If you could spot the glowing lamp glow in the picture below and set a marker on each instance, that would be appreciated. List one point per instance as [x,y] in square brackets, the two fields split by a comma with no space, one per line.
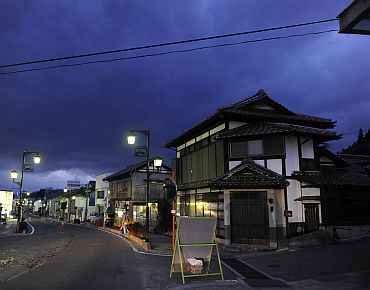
[120,213]
[73,197]
[65,189]
[131,139]
[13,174]
[158,161]
[37,159]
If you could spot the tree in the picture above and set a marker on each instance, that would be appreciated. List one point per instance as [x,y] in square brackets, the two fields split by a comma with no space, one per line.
[361,146]
[360,137]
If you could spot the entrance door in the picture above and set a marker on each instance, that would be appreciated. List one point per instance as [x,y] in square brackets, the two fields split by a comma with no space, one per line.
[311,212]
[249,217]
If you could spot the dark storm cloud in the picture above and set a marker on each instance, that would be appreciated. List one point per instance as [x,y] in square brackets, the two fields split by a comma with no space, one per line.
[78,117]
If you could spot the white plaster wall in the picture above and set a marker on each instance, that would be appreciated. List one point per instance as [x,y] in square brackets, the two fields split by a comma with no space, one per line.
[227,207]
[260,162]
[310,191]
[233,164]
[234,124]
[293,192]
[80,201]
[275,165]
[100,184]
[6,199]
[203,190]
[36,205]
[272,215]
[292,156]
[307,149]
[279,207]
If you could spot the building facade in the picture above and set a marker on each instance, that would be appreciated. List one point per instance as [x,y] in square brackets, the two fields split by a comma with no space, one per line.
[127,192]
[245,165]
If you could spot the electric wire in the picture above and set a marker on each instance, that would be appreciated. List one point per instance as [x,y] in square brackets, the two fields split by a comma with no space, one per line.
[168,43]
[168,52]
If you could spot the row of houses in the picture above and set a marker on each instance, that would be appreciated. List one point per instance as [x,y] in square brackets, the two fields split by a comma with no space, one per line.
[119,195]
[263,171]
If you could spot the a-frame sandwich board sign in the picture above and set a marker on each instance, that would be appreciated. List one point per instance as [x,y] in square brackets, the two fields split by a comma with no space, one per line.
[195,238]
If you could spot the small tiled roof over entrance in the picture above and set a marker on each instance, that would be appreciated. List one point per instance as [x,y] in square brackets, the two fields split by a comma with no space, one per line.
[335,177]
[267,128]
[248,175]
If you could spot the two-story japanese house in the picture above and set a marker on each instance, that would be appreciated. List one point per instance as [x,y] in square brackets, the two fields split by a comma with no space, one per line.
[242,166]
[127,191]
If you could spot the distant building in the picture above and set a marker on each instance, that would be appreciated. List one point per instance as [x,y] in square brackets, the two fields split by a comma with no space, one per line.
[6,201]
[102,188]
[127,191]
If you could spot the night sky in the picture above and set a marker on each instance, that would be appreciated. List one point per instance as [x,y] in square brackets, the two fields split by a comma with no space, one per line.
[78,117]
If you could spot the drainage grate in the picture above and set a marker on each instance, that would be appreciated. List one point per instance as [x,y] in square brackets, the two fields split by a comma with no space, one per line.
[253,277]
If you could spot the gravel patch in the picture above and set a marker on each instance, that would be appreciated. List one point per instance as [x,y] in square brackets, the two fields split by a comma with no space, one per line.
[15,262]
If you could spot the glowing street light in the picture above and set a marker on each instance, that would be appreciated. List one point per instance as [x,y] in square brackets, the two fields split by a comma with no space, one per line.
[37,158]
[158,162]
[14,175]
[131,139]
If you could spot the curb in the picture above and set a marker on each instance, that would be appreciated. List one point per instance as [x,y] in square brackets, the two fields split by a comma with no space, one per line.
[131,240]
[126,238]
[217,284]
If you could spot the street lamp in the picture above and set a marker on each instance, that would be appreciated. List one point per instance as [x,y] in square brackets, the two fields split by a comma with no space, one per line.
[13,175]
[25,168]
[158,162]
[131,141]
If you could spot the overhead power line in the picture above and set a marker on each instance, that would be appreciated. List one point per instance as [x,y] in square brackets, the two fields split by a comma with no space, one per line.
[166,43]
[167,52]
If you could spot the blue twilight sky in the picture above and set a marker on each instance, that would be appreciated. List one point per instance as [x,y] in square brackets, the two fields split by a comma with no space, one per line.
[77,117]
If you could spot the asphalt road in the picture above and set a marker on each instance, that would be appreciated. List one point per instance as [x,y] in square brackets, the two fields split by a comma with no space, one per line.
[80,258]
[342,266]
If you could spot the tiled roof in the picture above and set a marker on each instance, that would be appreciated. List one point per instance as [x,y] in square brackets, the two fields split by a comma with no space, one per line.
[279,117]
[245,112]
[261,95]
[248,175]
[267,128]
[361,163]
[131,168]
[335,176]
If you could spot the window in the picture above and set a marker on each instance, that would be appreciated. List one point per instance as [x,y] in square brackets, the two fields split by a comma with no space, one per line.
[100,194]
[92,199]
[273,145]
[238,148]
[255,147]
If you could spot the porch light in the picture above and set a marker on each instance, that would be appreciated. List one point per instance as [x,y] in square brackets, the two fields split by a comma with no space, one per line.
[65,189]
[13,174]
[131,139]
[158,162]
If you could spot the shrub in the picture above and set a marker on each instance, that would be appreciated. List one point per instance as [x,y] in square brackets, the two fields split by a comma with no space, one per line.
[138,230]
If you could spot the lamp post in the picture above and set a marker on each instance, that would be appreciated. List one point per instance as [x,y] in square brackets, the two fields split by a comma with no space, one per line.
[131,139]
[25,168]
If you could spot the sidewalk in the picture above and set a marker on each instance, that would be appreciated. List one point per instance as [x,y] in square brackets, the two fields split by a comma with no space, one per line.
[8,229]
[352,232]
[235,257]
